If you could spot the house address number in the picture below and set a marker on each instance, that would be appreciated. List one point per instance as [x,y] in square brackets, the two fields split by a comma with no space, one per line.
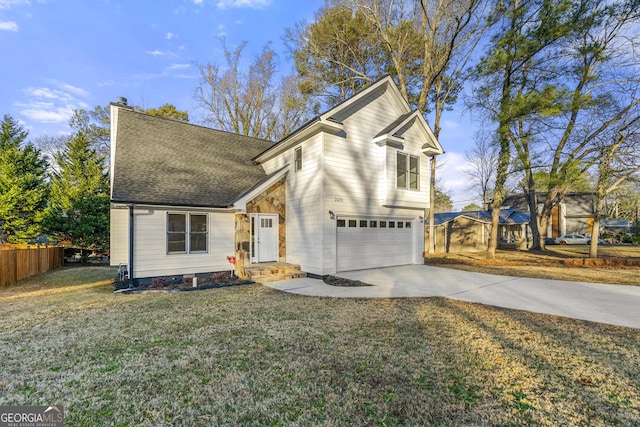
[338,199]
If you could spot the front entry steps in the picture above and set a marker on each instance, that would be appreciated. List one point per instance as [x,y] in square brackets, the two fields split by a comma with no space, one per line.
[270,272]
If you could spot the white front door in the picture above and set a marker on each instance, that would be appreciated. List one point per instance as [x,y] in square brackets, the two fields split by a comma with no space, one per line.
[264,237]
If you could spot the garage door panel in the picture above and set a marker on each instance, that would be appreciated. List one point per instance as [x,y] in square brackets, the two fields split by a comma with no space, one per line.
[381,242]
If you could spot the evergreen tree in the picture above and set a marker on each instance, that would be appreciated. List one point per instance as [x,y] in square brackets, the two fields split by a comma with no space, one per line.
[23,186]
[79,205]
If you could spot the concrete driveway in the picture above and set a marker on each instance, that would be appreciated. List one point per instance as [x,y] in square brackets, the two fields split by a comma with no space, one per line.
[612,304]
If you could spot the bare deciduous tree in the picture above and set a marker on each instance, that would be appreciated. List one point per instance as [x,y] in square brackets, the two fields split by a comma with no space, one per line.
[253,102]
[617,162]
[425,45]
[482,161]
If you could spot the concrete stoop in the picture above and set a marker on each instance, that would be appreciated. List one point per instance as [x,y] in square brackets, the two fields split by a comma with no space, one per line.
[271,272]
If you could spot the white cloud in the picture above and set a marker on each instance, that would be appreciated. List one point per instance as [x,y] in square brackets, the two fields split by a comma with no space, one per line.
[170,36]
[52,104]
[106,83]
[450,175]
[161,53]
[47,113]
[6,4]
[178,67]
[253,4]
[449,125]
[186,76]
[198,2]
[70,88]
[8,26]
[172,71]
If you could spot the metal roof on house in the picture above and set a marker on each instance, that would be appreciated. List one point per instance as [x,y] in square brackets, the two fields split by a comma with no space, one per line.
[622,223]
[166,162]
[507,217]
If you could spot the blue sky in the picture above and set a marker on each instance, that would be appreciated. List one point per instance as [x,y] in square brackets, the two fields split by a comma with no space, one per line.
[61,55]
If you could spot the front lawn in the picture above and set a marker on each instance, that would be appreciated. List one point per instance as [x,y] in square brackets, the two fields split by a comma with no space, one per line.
[616,264]
[250,355]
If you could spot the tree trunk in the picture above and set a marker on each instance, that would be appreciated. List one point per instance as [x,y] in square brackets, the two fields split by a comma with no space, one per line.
[543,224]
[495,223]
[532,202]
[595,235]
[595,230]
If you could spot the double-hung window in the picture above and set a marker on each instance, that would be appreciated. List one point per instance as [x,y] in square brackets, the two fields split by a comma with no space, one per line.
[408,171]
[187,233]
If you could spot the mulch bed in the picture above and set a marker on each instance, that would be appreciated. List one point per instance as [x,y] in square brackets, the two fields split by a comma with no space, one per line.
[340,281]
[140,290]
[159,285]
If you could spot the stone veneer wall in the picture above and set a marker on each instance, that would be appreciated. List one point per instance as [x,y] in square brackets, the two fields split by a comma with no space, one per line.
[271,201]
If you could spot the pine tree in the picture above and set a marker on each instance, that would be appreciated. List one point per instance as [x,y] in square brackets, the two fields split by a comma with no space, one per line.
[23,185]
[79,203]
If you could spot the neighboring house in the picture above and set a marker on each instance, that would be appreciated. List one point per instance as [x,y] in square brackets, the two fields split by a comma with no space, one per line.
[470,231]
[616,226]
[573,215]
[346,191]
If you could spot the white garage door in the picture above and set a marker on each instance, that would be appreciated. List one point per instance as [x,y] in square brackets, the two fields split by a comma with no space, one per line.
[369,243]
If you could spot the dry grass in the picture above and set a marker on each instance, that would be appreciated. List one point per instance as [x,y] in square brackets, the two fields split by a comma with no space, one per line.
[250,355]
[616,264]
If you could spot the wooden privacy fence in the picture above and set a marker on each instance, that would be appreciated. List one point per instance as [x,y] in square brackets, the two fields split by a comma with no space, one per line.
[18,264]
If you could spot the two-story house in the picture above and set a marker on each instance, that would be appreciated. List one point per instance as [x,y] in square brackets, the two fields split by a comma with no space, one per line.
[346,191]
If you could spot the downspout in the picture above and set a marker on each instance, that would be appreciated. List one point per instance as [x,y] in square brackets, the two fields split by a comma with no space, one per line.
[432,206]
[130,261]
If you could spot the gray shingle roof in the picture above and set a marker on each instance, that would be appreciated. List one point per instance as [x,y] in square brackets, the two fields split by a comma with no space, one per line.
[166,162]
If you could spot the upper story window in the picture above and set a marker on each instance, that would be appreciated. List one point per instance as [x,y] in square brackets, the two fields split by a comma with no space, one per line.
[186,233]
[408,168]
[297,159]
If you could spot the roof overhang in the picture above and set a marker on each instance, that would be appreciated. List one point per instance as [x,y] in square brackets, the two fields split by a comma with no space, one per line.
[312,128]
[119,204]
[472,218]
[393,137]
[331,120]
[240,205]
[390,140]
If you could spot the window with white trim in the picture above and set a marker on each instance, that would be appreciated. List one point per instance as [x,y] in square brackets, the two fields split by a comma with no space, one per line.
[408,171]
[297,159]
[187,233]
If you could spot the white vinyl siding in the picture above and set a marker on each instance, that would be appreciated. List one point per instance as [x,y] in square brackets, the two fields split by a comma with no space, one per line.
[360,179]
[150,241]
[304,219]
[349,174]
[119,236]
